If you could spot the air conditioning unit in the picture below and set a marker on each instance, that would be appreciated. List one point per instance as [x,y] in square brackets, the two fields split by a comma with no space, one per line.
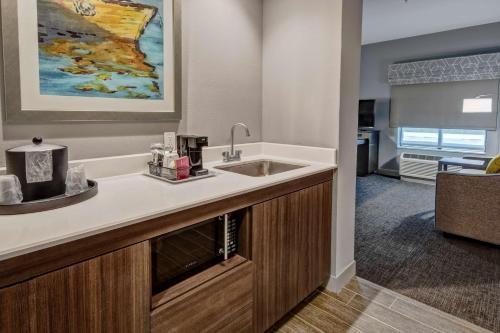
[420,168]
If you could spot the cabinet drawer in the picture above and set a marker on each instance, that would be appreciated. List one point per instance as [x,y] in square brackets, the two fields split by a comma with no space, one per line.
[223,304]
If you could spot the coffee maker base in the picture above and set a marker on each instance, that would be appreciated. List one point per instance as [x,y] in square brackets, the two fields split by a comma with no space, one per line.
[199,173]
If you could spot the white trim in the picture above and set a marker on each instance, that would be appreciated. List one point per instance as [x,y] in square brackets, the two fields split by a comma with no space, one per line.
[127,164]
[114,165]
[110,166]
[307,153]
[336,283]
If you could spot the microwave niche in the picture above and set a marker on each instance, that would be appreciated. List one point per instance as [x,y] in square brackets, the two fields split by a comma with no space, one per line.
[184,253]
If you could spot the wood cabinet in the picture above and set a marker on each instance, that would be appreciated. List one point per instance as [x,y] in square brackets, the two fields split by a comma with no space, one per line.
[14,312]
[290,250]
[223,304]
[110,293]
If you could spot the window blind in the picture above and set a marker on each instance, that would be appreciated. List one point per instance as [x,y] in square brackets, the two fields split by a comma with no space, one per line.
[449,105]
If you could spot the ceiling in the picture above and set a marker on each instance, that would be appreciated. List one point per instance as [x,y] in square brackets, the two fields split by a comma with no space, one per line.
[385,20]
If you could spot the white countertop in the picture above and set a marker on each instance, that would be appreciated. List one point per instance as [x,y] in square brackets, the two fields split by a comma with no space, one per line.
[132,198]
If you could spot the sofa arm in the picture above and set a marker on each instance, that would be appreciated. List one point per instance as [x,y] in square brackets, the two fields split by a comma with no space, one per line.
[468,205]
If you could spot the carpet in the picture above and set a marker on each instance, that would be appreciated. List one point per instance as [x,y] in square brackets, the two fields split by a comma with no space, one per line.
[397,247]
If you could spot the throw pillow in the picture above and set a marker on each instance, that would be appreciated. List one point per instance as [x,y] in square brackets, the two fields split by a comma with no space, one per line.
[494,166]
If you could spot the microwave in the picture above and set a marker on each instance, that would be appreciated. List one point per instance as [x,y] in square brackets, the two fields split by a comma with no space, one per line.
[186,252]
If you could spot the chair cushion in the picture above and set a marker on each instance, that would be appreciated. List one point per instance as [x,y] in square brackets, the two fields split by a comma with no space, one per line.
[494,166]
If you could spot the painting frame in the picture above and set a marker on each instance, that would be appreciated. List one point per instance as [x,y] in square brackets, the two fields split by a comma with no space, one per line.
[12,100]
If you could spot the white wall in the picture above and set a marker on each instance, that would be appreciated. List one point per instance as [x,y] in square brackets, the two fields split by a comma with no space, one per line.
[222,84]
[310,92]
[301,71]
[223,67]
[348,127]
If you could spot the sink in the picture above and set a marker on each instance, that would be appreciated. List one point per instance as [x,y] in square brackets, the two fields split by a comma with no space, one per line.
[261,168]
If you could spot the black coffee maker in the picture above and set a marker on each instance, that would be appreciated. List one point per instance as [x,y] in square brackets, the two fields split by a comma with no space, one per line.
[192,147]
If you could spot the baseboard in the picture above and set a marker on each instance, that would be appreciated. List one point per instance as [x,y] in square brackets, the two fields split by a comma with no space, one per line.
[387,172]
[336,283]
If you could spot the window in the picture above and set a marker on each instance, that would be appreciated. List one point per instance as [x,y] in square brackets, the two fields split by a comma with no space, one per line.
[463,139]
[419,137]
[442,139]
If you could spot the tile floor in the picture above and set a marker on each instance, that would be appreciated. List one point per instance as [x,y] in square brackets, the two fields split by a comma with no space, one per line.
[365,307]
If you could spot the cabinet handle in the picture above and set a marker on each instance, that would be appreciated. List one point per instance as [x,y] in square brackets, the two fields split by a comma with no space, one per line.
[226,236]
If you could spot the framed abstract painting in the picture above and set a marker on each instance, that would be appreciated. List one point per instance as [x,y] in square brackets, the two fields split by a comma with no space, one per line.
[91,60]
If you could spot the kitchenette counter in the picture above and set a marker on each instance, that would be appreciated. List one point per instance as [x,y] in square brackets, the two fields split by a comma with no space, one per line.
[144,255]
[133,198]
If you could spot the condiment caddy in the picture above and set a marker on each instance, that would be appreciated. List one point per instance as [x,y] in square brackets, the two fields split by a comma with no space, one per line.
[179,164]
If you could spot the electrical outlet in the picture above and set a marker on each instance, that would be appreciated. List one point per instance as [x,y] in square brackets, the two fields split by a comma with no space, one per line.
[169,140]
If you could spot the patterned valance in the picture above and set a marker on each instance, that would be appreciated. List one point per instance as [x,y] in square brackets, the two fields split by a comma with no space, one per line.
[470,68]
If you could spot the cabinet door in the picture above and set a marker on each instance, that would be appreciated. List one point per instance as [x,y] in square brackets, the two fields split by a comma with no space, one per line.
[223,304]
[290,250]
[14,309]
[110,293]
[314,231]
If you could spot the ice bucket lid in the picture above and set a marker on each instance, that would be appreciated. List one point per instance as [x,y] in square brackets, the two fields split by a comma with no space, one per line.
[36,146]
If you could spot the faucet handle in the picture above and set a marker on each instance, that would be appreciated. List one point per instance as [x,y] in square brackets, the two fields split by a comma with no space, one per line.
[225,156]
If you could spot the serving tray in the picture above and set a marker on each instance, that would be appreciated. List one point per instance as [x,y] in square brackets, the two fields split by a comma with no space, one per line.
[190,179]
[50,203]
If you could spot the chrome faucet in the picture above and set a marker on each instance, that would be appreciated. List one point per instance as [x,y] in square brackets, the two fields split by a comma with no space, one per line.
[230,156]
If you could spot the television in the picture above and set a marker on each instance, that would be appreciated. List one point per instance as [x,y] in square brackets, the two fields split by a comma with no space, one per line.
[366,115]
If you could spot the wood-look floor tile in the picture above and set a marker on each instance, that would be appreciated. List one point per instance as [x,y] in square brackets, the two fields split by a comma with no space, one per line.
[370,292]
[365,307]
[293,324]
[392,318]
[423,306]
[323,320]
[431,318]
[345,295]
[350,315]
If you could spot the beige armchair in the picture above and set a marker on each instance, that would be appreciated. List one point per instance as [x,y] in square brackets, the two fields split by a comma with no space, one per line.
[469,205]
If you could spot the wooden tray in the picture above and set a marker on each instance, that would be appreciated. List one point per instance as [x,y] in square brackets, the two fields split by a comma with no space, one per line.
[50,203]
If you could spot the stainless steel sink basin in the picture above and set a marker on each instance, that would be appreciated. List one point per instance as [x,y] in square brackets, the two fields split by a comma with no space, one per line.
[261,168]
